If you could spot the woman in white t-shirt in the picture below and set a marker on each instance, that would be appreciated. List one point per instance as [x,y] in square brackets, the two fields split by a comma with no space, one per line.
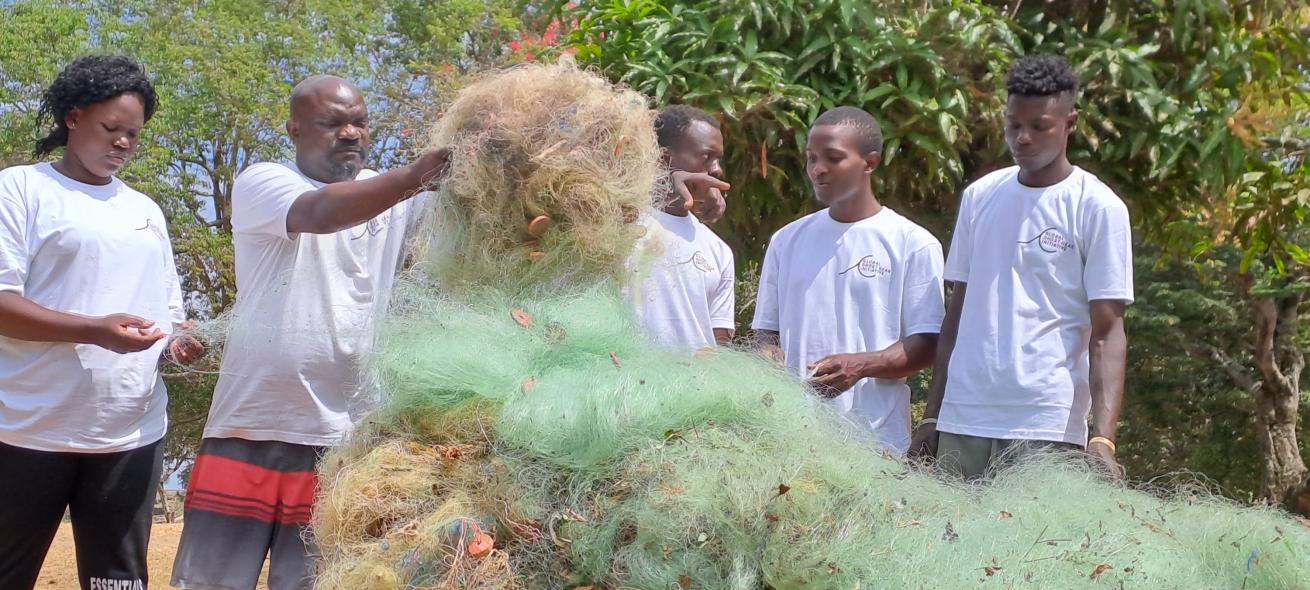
[88,298]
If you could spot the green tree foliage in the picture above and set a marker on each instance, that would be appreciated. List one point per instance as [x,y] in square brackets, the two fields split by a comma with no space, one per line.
[1189,406]
[464,33]
[1162,80]
[36,40]
[769,68]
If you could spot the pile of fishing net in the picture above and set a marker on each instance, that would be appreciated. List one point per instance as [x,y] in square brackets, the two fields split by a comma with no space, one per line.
[533,142]
[531,439]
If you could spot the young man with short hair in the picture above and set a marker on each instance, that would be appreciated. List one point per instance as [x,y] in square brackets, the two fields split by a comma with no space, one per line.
[1041,259]
[685,297]
[852,294]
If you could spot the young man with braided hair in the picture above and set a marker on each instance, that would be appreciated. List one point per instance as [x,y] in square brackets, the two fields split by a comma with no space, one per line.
[1041,259]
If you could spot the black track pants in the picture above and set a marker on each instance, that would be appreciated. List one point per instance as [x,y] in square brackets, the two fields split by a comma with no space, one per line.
[109,496]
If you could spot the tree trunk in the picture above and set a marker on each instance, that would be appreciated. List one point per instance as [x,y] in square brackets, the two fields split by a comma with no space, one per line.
[163,501]
[1275,426]
[1278,398]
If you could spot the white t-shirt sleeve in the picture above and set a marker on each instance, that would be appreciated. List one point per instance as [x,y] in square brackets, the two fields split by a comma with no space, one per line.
[14,259]
[957,262]
[923,304]
[766,298]
[723,305]
[262,197]
[1108,243]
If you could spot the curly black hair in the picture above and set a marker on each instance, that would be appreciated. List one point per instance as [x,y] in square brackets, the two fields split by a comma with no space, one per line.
[89,80]
[672,122]
[861,120]
[1041,75]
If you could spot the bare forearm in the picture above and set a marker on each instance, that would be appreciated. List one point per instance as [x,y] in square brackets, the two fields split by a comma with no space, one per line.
[22,319]
[1108,356]
[903,359]
[342,205]
[945,346]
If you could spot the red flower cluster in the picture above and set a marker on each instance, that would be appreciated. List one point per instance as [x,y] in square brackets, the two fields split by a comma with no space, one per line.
[529,45]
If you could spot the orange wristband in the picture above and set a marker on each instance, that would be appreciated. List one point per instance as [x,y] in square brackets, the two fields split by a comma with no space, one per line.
[1105,441]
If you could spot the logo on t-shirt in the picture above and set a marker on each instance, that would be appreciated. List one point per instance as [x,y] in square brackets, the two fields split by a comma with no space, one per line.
[869,267]
[1050,240]
[699,261]
[373,227]
[148,225]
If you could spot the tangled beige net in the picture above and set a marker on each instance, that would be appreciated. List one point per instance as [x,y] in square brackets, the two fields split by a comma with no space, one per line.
[538,141]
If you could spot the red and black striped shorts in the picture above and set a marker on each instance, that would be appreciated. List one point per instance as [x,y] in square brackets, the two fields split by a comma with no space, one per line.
[245,500]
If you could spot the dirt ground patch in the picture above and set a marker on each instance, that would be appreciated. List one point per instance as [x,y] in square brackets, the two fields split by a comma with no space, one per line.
[60,569]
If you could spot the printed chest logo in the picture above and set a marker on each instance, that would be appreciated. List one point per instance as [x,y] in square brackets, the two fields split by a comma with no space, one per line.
[372,228]
[1050,240]
[699,261]
[869,267]
[150,226]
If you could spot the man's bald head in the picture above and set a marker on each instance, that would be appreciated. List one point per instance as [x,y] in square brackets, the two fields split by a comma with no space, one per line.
[329,126]
[323,86]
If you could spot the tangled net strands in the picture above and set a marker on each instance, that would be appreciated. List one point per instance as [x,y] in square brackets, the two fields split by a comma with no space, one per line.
[532,440]
[528,143]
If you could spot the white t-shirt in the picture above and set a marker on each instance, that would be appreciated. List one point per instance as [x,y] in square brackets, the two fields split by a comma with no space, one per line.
[687,290]
[303,321]
[1033,258]
[89,250]
[829,287]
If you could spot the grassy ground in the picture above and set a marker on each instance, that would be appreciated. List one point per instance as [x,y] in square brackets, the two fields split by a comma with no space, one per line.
[60,570]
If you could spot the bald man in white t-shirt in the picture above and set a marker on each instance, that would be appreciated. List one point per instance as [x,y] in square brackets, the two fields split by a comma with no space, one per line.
[318,243]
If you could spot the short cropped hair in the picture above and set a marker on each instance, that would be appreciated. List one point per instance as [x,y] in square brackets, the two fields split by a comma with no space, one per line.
[870,133]
[672,122]
[1041,75]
